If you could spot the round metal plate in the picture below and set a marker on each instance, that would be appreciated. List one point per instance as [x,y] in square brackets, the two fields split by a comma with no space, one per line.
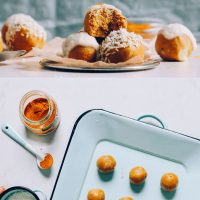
[7,55]
[137,67]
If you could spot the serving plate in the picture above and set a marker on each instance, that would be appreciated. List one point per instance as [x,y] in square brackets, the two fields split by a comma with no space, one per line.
[137,67]
[7,55]
[132,143]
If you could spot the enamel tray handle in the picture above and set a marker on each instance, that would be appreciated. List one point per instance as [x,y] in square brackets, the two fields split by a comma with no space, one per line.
[44,197]
[152,120]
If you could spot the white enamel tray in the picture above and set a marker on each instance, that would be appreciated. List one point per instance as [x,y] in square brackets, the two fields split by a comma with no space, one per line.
[137,67]
[132,143]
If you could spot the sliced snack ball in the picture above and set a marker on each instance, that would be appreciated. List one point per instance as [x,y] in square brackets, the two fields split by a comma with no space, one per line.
[96,194]
[175,42]
[169,182]
[106,164]
[80,46]
[126,198]
[101,19]
[22,32]
[120,46]
[137,175]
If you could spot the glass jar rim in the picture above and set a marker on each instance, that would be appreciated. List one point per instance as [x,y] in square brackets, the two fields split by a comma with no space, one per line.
[144,20]
[19,188]
[28,95]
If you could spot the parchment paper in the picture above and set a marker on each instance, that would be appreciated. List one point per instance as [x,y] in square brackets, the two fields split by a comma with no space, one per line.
[53,52]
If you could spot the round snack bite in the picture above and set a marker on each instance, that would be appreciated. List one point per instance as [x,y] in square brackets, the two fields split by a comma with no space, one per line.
[80,46]
[96,194]
[101,19]
[169,182]
[120,46]
[126,198]
[22,32]
[175,42]
[106,164]
[137,175]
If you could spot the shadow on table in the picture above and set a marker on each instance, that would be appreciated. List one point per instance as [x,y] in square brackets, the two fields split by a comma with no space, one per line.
[168,195]
[49,138]
[106,177]
[137,188]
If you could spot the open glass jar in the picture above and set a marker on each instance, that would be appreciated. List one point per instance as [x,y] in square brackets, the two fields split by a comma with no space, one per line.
[19,192]
[146,27]
[39,112]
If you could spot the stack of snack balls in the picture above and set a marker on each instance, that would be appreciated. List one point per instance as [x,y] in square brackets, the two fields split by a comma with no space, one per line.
[105,37]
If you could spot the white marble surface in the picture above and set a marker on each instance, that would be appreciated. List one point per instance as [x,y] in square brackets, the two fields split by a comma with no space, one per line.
[176,101]
[30,68]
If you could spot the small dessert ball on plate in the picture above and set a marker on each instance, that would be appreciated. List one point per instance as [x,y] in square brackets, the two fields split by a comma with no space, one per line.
[101,19]
[175,42]
[96,194]
[169,182]
[22,32]
[137,175]
[126,198]
[80,46]
[120,46]
[106,164]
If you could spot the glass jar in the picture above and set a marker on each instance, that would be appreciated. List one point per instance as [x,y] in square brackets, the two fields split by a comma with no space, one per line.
[19,192]
[146,27]
[39,112]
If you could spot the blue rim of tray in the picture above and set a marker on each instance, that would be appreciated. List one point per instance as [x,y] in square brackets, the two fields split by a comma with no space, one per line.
[74,129]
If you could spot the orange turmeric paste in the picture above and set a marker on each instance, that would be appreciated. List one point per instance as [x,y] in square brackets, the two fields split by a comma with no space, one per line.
[141,27]
[38,110]
[47,162]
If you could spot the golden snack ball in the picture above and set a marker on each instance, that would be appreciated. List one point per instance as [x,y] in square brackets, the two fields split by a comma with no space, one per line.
[106,163]
[96,194]
[22,32]
[137,175]
[126,198]
[175,42]
[120,46]
[169,182]
[101,19]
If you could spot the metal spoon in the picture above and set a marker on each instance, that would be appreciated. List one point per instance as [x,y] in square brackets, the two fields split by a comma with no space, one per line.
[9,131]
[7,55]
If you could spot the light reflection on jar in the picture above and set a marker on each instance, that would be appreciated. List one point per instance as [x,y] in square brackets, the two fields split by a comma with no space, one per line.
[146,27]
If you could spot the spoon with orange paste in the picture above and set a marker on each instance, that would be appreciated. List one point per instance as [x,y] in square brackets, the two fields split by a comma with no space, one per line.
[44,161]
